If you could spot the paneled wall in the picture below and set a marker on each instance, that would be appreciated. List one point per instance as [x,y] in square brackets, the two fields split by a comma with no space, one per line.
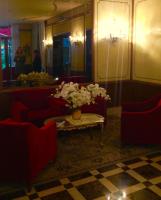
[127,40]
[112,39]
[147,41]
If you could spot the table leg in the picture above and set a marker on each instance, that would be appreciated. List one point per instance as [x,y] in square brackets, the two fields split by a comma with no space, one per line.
[91,133]
[101,134]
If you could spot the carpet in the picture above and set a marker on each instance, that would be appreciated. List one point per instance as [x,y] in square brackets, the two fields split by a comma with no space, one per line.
[80,151]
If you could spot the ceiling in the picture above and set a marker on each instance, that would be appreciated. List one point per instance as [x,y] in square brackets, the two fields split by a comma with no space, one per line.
[20,11]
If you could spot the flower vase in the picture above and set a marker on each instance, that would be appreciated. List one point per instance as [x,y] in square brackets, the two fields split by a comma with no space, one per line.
[76,114]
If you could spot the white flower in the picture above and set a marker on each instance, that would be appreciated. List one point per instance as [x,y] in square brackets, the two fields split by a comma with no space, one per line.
[76,96]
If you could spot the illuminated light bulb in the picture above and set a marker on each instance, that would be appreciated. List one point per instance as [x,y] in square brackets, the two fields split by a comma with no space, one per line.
[124,194]
[57,78]
[108,197]
[48,42]
[76,38]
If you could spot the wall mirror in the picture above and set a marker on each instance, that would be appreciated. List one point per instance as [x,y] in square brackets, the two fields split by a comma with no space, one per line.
[64,41]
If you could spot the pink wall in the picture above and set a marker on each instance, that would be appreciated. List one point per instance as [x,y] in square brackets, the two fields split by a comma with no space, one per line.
[5,31]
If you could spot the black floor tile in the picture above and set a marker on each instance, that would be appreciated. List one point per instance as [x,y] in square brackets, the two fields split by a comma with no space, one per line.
[122,180]
[33,196]
[132,161]
[43,186]
[106,168]
[125,168]
[144,194]
[159,185]
[159,162]
[64,195]
[99,176]
[153,155]
[147,184]
[148,171]
[93,190]
[68,186]
[12,195]
[79,176]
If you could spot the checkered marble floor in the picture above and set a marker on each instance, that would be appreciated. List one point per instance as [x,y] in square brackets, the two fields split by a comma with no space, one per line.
[135,179]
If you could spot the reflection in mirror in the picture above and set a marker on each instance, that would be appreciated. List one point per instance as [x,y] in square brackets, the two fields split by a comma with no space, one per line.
[64,42]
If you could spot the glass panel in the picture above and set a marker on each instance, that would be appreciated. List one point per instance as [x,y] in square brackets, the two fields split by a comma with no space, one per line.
[3,55]
[9,53]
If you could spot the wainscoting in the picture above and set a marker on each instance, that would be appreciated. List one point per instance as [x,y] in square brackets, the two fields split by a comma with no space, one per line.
[125,91]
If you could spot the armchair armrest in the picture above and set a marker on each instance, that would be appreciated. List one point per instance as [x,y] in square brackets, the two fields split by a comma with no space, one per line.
[50,126]
[141,106]
[42,146]
[19,111]
[153,111]
[134,122]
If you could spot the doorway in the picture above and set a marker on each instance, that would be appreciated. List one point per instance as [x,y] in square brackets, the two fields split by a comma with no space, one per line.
[61,55]
[88,54]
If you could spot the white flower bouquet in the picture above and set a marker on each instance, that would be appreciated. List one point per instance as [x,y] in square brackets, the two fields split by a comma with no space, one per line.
[77,96]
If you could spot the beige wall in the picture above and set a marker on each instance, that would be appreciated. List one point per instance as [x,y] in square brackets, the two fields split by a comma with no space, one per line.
[112,25]
[147,41]
[72,26]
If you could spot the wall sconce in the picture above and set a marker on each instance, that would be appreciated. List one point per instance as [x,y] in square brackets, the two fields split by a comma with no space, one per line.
[117,29]
[76,39]
[48,42]
[116,37]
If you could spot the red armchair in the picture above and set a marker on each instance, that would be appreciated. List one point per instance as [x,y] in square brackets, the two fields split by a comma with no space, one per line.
[141,122]
[25,149]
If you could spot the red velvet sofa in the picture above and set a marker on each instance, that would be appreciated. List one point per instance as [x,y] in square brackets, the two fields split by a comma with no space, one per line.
[25,150]
[35,105]
[141,122]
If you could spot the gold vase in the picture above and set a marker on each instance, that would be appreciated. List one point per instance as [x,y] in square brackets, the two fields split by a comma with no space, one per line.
[76,114]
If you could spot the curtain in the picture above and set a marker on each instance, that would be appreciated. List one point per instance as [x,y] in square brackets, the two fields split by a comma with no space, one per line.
[35,36]
[38,35]
[41,34]
[49,59]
